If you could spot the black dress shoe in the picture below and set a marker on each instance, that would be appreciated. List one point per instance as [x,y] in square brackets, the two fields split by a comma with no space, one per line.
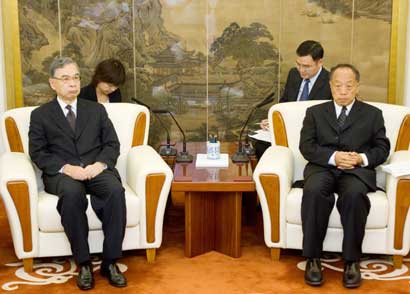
[114,275]
[85,279]
[351,275]
[313,272]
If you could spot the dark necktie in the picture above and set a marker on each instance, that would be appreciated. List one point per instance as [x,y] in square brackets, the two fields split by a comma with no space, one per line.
[305,92]
[342,117]
[71,117]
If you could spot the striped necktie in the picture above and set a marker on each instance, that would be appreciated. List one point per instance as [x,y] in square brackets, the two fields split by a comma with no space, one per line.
[70,117]
[342,117]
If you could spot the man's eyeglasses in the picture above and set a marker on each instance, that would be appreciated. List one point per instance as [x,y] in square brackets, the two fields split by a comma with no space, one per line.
[67,79]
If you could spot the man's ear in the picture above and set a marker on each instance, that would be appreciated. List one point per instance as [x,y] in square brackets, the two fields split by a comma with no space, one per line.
[51,82]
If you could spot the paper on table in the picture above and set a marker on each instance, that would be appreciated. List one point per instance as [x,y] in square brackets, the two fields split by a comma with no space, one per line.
[397,169]
[262,135]
[203,161]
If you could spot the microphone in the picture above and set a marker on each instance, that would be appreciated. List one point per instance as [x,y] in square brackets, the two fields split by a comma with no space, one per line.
[183,156]
[242,155]
[166,150]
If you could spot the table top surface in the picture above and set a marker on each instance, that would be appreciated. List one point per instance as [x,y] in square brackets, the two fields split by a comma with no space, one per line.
[235,177]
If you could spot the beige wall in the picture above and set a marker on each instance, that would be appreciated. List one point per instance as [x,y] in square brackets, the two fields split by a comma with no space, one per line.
[407,76]
[3,99]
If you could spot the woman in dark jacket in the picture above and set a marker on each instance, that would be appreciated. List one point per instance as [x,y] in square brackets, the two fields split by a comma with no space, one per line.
[108,76]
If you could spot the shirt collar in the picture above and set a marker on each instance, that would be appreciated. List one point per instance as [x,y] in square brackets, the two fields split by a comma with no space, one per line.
[314,78]
[63,105]
[338,108]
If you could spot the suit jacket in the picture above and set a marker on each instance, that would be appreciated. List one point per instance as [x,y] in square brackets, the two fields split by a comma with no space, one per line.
[363,132]
[52,142]
[88,92]
[319,91]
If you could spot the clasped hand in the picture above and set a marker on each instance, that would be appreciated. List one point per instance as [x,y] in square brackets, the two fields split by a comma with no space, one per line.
[83,173]
[347,160]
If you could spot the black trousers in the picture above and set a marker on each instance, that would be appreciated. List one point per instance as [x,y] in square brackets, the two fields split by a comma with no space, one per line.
[108,202]
[260,147]
[317,203]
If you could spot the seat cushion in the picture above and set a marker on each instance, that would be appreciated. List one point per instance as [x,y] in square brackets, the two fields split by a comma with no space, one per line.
[49,219]
[377,218]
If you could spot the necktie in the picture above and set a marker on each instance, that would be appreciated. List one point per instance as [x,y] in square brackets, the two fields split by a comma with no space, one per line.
[342,117]
[71,117]
[305,92]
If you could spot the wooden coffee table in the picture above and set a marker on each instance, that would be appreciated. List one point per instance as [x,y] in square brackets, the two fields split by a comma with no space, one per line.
[213,204]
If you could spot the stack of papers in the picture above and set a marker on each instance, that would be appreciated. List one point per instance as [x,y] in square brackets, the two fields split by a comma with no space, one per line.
[397,169]
[262,135]
[203,161]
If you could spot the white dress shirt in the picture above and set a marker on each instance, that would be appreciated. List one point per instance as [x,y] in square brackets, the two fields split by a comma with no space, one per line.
[338,110]
[312,82]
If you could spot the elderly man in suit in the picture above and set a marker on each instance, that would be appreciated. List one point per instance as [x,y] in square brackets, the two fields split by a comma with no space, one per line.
[343,140]
[309,80]
[75,145]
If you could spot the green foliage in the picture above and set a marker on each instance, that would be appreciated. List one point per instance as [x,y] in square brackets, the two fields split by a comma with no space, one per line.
[249,46]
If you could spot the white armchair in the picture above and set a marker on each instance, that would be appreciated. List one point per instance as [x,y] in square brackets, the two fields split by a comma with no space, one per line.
[34,221]
[388,223]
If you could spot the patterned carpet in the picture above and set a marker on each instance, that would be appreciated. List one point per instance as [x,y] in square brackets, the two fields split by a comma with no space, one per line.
[252,273]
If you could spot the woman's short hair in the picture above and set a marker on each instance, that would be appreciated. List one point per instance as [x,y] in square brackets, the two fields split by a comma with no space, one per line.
[109,71]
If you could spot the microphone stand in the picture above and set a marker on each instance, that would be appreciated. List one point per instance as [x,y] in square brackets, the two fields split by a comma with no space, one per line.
[182,156]
[241,156]
[248,149]
[166,150]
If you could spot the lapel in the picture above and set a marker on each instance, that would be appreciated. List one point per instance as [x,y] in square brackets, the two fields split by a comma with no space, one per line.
[82,117]
[59,118]
[354,114]
[297,82]
[318,84]
[330,115]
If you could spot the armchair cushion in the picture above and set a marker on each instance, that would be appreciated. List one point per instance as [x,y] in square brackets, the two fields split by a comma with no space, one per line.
[377,218]
[49,219]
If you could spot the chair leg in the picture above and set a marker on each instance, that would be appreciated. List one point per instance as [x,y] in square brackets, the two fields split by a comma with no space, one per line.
[151,255]
[28,265]
[275,254]
[397,261]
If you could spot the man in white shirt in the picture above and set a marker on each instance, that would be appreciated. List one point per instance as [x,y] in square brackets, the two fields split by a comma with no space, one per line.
[343,140]
[308,80]
[76,147]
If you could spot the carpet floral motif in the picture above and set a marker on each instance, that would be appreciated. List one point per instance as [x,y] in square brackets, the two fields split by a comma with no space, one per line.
[55,272]
[371,269]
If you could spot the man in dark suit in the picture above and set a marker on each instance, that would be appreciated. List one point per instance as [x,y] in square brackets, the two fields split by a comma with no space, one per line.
[75,145]
[309,80]
[343,140]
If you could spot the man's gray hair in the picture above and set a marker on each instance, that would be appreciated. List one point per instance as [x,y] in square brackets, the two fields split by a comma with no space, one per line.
[60,62]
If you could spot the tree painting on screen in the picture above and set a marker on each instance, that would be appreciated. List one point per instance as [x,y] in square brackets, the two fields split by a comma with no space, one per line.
[207,61]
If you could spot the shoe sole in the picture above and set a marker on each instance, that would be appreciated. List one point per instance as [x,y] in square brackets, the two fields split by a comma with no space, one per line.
[112,284]
[314,284]
[351,286]
[85,288]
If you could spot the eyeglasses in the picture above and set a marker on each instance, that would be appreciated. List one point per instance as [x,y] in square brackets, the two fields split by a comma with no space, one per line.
[67,79]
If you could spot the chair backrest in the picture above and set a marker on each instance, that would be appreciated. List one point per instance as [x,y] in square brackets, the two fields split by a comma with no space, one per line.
[287,120]
[131,122]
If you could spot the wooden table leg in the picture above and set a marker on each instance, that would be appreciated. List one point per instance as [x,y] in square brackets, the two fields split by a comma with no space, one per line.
[213,222]
[199,223]
[228,209]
